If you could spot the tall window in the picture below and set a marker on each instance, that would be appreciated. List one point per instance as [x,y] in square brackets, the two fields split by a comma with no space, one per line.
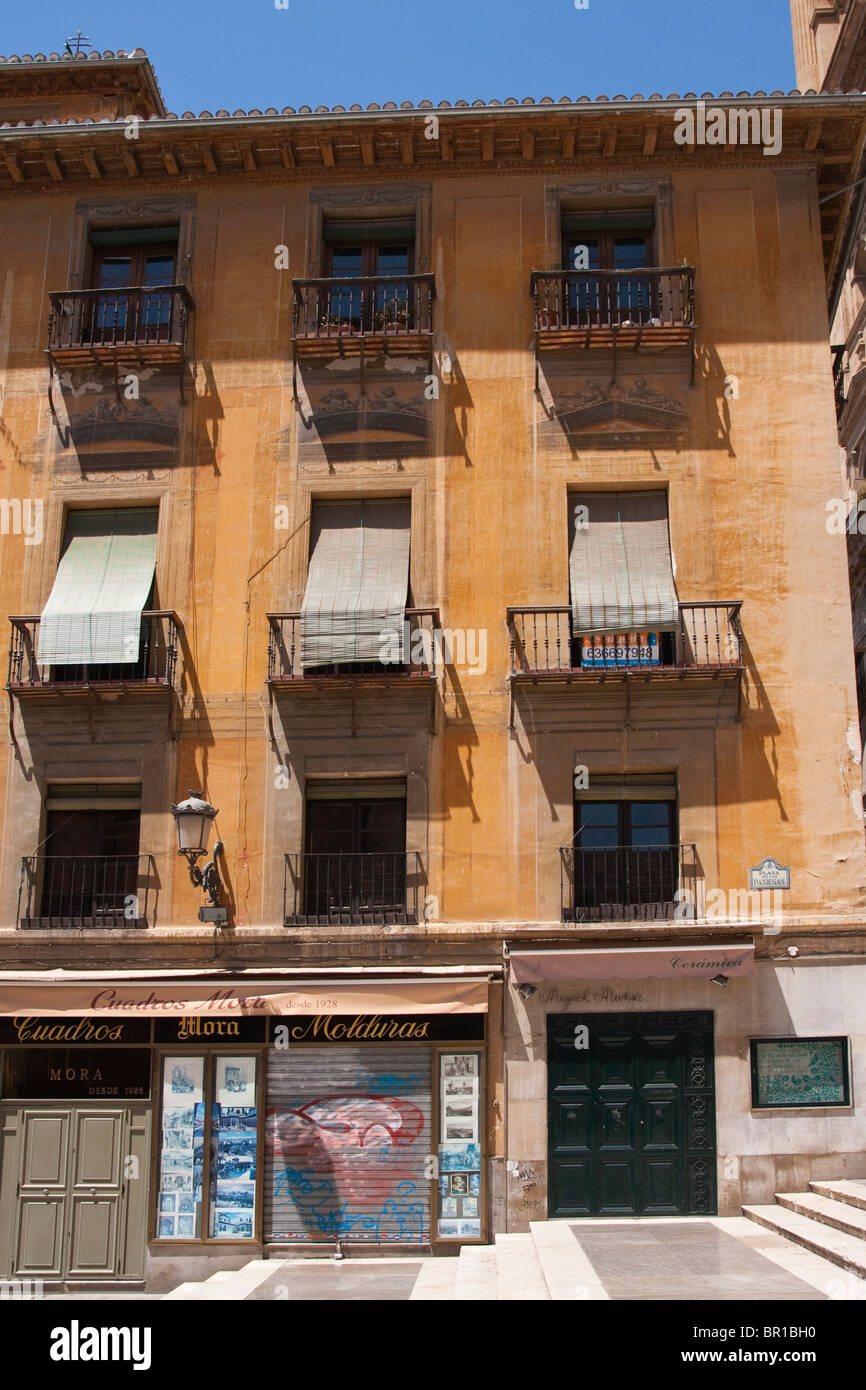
[626,854]
[353,613]
[92,621]
[355,859]
[90,854]
[621,241]
[354,250]
[142,260]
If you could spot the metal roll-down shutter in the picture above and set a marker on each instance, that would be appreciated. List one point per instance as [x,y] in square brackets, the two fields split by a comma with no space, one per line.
[348,1141]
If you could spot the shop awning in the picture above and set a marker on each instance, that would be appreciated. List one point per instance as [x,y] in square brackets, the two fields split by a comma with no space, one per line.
[620,566]
[354,605]
[633,963]
[93,613]
[179,994]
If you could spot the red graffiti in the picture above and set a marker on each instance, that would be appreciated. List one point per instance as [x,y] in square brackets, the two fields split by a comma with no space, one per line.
[347,1137]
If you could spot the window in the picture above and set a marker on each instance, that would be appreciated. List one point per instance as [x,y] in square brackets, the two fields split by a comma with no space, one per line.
[625,850]
[622,241]
[370,249]
[355,851]
[89,856]
[209,1140]
[792,1072]
[625,610]
[353,614]
[91,626]
[143,260]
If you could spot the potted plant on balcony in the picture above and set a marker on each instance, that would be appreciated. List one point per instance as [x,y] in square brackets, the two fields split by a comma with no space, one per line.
[392,314]
[330,324]
[548,316]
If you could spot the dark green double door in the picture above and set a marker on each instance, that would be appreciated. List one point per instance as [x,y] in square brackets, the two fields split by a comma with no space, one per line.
[631,1119]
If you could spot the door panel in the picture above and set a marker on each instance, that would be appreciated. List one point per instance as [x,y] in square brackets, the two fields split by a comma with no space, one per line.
[39,1248]
[631,1116]
[46,1151]
[616,1188]
[93,1236]
[96,1154]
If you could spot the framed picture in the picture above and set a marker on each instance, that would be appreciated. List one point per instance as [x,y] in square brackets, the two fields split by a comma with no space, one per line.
[183,1079]
[236,1082]
[798,1072]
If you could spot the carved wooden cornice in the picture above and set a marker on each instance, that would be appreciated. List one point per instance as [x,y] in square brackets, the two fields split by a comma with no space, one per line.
[561,140]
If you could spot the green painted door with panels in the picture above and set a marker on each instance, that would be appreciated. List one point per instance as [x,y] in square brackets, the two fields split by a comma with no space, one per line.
[74,1191]
[631,1115]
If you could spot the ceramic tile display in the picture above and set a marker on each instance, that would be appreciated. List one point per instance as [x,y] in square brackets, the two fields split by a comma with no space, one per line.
[799,1072]
[459,1146]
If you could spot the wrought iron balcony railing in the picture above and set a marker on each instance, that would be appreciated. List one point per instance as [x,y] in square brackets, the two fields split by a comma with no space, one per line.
[420,644]
[151,323]
[627,884]
[86,891]
[708,640]
[155,665]
[840,372]
[337,311]
[352,889]
[653,304]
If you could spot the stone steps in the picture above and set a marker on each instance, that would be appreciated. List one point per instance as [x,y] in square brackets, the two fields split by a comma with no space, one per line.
[519,1272]
[226,1284]
[842,1217]
[842,1249]
[476,1274]
[846,1190]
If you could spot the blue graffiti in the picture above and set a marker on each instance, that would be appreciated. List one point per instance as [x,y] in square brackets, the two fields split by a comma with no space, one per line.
[314,1199]
[296,1182]
[406,1214]
[390,1084]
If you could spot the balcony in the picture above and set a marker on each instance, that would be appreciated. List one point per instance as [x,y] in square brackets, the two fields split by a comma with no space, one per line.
[840,373]
[119,326]
[708,643]
[155,669]
[421,645]
[101,892]
[615,310]
[328,890]
[366,315]
[625,884]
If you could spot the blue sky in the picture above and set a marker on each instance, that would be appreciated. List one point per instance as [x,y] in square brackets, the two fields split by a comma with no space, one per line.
[232,54]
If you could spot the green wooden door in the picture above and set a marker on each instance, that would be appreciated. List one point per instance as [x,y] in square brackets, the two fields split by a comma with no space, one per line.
[631,1115]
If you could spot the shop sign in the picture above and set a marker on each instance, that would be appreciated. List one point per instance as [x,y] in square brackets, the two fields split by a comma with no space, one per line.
[205,1032]
[379,1028]
[76,1073]
[36,1032]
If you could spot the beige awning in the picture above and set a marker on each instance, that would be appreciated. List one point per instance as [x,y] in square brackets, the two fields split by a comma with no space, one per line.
[620,565]
[130,994]
[93,613]
[354,604]
[633,963]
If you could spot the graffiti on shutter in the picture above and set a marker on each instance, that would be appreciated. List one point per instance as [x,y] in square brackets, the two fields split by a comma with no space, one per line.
[347,1143]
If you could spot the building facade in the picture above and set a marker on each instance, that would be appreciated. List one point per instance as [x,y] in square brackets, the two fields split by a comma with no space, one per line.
[441,494]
